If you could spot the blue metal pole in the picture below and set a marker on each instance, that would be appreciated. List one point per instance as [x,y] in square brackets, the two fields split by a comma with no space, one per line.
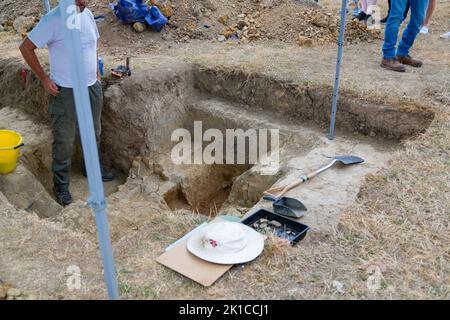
[47,6]
[338,68]
[87,134]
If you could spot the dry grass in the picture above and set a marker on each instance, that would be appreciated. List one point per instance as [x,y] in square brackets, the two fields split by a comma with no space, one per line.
[36,254]
[398,229]
[399,226]
[401,220]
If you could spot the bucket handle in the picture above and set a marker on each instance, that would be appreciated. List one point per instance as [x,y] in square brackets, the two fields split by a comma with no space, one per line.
[12,148]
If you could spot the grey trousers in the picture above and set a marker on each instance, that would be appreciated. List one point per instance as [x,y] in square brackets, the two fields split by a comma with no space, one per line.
[64,126]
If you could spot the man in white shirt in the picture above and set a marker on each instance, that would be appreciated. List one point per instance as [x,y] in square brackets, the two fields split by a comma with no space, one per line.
[58,84]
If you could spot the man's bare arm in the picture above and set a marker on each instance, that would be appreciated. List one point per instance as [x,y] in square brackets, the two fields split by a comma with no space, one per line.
[27,48]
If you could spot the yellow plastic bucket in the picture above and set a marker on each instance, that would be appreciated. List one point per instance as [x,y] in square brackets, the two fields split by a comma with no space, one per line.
[10,142]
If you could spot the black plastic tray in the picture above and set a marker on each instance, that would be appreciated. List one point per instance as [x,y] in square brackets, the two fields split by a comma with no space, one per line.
[297,229]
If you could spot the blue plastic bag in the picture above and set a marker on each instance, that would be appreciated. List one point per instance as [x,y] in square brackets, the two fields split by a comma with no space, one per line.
[155,19]
[130,11]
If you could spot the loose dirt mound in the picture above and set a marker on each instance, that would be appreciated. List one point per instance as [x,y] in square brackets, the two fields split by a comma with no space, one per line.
[289,22]
[259,20]
[302,21]
[11,9]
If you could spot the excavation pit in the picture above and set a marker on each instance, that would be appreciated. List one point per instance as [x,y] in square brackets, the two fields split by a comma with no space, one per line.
[30,186]
[142,112]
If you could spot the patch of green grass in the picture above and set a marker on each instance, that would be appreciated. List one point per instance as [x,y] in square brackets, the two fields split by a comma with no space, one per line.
[316,278]
[305,256]
[156,236]
[124,289]
[147,293]
[351,237]
[399,220]
[124,270]
[383,285]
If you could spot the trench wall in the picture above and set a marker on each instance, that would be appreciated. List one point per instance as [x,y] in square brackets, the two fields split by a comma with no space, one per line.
[141,112]
[17,93]
[310,103]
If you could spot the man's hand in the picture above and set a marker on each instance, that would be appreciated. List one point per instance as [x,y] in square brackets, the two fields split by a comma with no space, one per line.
[50,86]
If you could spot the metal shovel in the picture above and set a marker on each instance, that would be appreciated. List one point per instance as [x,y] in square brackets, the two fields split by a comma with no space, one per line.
[287,206]
[345,160]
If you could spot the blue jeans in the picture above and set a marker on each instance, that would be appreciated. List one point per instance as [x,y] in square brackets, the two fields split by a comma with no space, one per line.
[357,10]
[418,9]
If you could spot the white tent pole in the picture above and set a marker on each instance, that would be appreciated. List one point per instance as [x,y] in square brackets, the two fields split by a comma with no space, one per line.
[338,68]
[96,200]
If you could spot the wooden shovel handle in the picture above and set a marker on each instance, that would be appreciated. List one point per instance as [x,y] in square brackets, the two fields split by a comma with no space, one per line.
[291,186]
[274,191]
[283,189]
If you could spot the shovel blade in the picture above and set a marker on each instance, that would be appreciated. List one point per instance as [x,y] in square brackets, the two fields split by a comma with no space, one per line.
[290,207]
[349,159]
[289,212]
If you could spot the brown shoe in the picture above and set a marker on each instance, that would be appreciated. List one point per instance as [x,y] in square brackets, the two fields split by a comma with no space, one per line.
[409,61]
[392,64]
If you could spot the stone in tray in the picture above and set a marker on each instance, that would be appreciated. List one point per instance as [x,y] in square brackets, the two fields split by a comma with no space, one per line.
[265,222]
[272,226]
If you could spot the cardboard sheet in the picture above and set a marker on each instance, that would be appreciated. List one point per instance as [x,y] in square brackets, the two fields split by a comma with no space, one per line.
[182,261]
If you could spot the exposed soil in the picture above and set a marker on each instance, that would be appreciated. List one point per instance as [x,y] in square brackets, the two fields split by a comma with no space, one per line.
[242,21]
[360,216]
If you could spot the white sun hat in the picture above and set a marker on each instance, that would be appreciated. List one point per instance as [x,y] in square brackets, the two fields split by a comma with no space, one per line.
[226,242]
